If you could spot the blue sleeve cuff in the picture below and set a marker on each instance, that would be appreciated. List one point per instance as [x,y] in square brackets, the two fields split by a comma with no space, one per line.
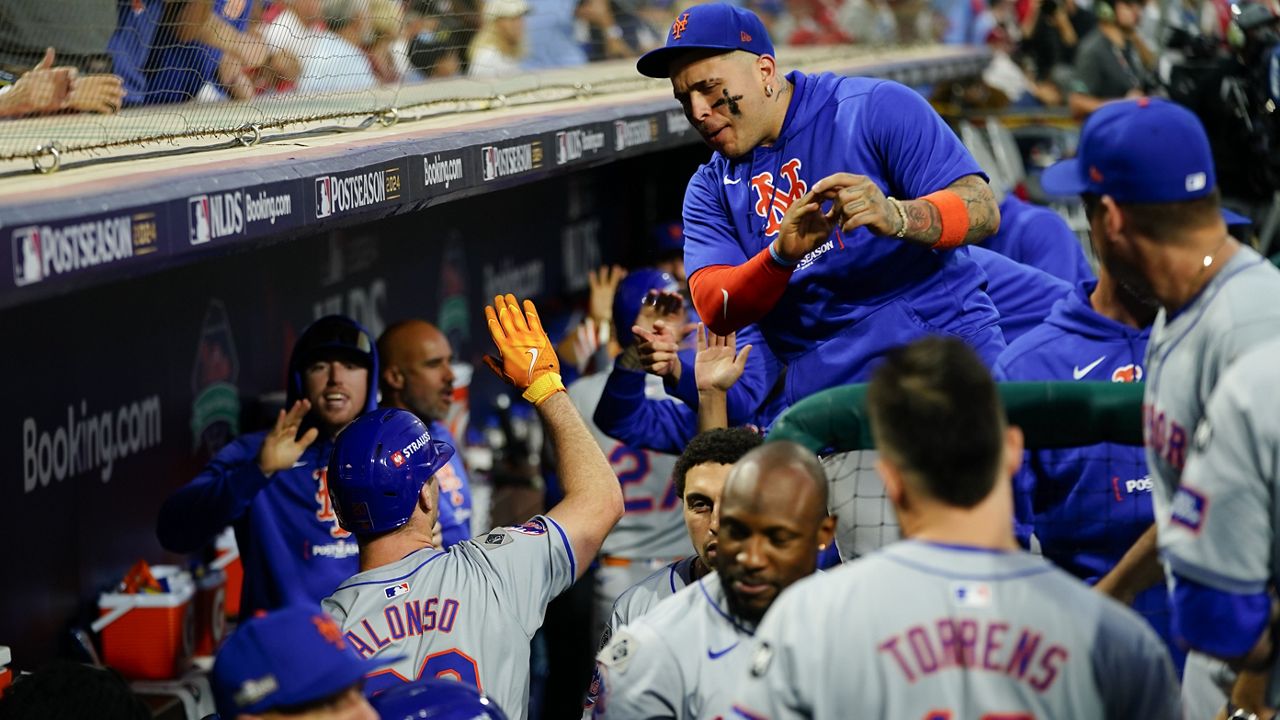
[1219,623]
[686,389]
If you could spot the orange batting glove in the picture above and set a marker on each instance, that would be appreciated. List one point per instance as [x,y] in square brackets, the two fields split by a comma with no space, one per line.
[526,359]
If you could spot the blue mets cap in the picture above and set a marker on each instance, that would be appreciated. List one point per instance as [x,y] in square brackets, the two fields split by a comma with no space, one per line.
[714,26]
[1138,151]
[630,295]
[292,656]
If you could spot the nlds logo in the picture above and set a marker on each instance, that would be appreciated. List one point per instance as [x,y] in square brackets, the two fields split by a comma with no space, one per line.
[574,144]
[215,216]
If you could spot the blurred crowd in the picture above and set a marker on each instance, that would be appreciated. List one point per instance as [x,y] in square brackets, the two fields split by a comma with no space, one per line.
[102,55]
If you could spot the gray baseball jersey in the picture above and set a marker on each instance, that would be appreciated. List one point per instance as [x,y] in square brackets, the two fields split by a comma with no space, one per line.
[1187,354]
[681,660]
[645,595]
[467,613]
[652,525]
[1222,530]
[920,631]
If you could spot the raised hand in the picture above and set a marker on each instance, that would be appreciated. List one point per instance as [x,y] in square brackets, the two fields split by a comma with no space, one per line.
[282,446]
[857,202]
[718,365]
[604,285]
[526,358]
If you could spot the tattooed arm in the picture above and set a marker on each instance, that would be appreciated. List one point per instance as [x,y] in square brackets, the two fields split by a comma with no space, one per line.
[858,202]
[924,222]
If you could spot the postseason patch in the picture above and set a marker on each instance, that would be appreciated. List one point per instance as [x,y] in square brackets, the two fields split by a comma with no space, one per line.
[533,527]
[1189,508]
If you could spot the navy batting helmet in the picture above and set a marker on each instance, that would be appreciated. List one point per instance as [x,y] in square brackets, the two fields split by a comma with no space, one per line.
[433,699]
[630,295]
[379,464]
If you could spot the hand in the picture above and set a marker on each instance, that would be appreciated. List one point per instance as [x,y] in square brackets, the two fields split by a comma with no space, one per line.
[99,93]
[717,366]
[251,49]
[525,353]
[857,202]
[42,89]
[282,446]
[233,76]
[604,285]
[804,227]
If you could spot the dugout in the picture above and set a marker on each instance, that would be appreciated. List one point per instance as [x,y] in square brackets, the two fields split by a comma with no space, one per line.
[128,363]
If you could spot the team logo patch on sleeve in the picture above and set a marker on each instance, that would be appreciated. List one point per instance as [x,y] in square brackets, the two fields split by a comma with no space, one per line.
[494,539]
[971,594]
[533,527]
[1189,508]
[396,590]
[619,652]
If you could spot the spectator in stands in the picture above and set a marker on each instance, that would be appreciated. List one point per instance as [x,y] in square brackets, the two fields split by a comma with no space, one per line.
[610,30]
[441,34]
[337,61]
[1113,61]
[417,375]
[551,35]
[811,22]
[499,46]
[387,50]
[47,88]
[271,485]
[201,48]
[79,29]
[287,26]
[1052,30]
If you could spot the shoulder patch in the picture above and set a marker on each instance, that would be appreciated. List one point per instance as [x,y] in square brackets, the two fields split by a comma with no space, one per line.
[618,653]
[1189,508]
[533,527]
[496,538]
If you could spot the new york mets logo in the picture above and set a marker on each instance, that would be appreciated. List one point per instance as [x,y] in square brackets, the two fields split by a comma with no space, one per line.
[771,201]
[679,26]
[1127,373]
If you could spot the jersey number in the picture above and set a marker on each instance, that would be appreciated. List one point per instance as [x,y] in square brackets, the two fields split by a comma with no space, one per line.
[947,715]
[632,466]
[452,664]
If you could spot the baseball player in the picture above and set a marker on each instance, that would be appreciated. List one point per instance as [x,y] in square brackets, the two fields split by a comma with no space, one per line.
[417,375]
[650,534]
[1157,226]
[1221,538]
[699,478]
[686,657]
[436,700]
[468,612]
[1037,236]
[290,664]
[1023,295]
[831,211]
[955,621]
[272,485]
[1087,506]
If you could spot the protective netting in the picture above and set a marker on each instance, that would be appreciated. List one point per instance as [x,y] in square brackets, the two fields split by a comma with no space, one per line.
[84,75]
[1071,429]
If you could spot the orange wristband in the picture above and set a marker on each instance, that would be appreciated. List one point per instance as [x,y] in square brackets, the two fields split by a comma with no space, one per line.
[955,218]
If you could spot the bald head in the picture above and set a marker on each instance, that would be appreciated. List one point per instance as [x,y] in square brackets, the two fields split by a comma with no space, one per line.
[773,522]
[784,476]
[416,373]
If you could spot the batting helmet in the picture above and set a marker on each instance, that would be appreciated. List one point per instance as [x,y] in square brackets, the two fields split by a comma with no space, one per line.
[434,699]
[379,464]
[630,295]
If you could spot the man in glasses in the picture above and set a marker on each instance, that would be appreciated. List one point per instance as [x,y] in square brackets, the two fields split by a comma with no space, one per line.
[271,485]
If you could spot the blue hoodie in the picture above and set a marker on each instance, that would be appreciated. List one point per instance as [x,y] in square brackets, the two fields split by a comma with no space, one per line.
[290,543]
[1023,295]
[1088,505]
[1037,236]
[667,425]
[857,295]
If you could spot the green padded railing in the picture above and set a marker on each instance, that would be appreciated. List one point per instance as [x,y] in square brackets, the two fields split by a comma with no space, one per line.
[1051,415]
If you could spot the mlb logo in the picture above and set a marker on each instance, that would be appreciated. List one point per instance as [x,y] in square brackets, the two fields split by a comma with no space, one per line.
[562,148]
[28,256]
[198,219]
[324,197]
[397,458]
[397,590]
[971,594]
[489,155]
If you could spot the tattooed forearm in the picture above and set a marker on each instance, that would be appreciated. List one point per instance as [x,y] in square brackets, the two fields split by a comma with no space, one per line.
[984,213]
[924,222]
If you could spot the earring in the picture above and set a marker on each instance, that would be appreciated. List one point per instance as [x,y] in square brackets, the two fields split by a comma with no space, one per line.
[768,91]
